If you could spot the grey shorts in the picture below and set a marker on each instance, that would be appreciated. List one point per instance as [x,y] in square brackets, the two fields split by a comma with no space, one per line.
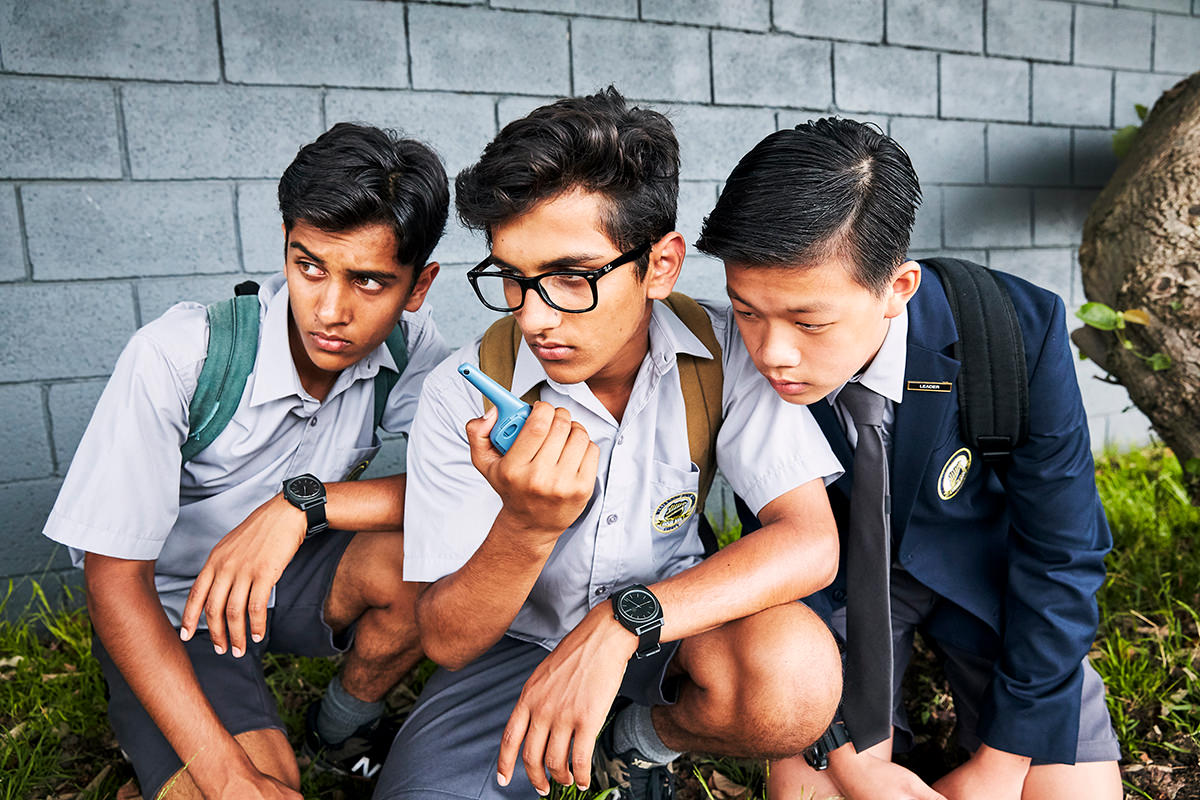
[450,743]
[235,686]
[969,675]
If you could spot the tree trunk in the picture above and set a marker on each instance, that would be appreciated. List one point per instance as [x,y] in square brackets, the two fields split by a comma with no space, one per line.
[1141,249]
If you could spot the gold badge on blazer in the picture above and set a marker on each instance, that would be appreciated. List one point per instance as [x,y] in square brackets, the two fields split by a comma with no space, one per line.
[954,474]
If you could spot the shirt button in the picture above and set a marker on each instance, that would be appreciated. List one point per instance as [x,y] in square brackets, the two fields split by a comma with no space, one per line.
[621,439]
[839,595]
[611,519]
[601,591]
[312,421]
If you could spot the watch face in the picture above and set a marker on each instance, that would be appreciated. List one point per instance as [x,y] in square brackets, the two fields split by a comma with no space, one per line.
[638,605]
[304,487]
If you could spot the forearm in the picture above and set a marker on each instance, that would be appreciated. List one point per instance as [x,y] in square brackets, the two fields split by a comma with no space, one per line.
[463,614]
[371,505]
[130,622]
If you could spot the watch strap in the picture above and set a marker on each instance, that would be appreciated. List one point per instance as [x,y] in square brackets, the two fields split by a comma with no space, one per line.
[317,522]
[817,755]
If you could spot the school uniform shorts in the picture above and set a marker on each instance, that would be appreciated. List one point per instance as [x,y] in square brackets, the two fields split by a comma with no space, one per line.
[450,744]
[235,686]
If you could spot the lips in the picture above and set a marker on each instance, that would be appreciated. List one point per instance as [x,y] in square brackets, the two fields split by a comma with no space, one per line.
[551,351]
[328,342]
[788,387]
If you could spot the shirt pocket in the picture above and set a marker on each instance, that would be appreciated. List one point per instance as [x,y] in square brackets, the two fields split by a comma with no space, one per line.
[674,499]
[355,460]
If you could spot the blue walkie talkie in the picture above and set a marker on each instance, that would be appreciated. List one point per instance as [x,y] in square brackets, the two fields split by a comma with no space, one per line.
[511,410]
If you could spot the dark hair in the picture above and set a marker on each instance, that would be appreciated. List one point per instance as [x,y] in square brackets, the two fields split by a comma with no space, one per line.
[834,186]
[355,175]
[595,143]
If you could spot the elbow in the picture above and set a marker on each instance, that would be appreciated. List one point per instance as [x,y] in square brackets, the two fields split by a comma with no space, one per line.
[442,654]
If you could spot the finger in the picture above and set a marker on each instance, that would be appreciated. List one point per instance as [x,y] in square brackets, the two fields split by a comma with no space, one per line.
[581,752]
[561,426]
[558,756]
[483,452]
[590,463]
[195,603]
[534,756]
[510,744]
[260,598]
[235,617]
[575,448]
[214,613]
[532,434]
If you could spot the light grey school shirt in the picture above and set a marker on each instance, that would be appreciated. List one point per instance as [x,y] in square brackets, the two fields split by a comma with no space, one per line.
[630,531]
[126,495]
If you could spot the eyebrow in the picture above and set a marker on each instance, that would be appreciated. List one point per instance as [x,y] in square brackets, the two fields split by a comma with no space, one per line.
[306,251]
[382,276]
[817,307]
[570,260]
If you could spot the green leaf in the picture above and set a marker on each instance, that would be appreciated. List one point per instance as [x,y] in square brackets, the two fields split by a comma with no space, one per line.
[1159,362]
[1098,315]
[1141,110]
[1192,466]
[1123,140]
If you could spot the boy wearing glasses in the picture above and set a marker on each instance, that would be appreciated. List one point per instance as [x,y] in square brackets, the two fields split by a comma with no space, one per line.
[536,560]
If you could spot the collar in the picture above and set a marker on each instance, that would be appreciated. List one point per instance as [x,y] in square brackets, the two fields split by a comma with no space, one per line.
[885,374]
[669,337]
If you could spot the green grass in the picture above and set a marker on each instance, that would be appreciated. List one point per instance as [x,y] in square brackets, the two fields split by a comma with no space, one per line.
[55,740]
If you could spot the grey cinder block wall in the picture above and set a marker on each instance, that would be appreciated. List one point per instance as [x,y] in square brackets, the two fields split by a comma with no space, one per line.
[140,141]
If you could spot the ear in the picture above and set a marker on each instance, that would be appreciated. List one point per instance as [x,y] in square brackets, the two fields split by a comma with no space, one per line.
[666,260]
[421,286]
[905,283]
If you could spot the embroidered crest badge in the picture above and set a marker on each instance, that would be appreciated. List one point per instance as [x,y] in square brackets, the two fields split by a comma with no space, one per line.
[674,511]
[954,474]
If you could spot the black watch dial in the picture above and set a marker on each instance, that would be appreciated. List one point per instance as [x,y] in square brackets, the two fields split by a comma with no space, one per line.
[638,605]
[304,487]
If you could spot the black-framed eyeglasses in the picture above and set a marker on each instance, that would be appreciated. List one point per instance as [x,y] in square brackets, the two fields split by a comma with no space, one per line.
[572,291]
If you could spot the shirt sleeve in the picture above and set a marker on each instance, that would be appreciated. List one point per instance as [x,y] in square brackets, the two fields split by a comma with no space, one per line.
[448,506]
[121,494]
[426,349]
[766,446]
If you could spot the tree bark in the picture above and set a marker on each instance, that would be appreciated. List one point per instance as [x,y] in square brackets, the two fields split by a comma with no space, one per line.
[1141,249]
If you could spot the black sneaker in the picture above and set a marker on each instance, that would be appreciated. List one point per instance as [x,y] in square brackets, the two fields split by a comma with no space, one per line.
[634,777]
[361,755]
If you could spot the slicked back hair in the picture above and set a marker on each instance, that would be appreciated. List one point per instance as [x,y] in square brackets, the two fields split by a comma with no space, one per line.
[834,187]
[629,156]
[355,175]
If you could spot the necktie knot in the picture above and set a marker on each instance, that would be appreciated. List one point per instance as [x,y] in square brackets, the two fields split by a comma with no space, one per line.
[865,405]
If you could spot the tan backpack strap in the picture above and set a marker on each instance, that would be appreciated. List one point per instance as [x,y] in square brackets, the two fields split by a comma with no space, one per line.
[702,381]
[498,357]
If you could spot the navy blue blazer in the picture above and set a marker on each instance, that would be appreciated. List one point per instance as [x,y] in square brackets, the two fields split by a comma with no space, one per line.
[1019,553]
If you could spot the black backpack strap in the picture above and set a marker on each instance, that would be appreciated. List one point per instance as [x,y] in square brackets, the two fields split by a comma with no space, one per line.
[993,386]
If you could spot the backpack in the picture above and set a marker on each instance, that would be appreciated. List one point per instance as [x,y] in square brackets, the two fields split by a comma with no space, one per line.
[993,385]
[701,379]
[232,350]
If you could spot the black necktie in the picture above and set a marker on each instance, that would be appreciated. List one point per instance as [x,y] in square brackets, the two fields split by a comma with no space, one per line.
[867,700]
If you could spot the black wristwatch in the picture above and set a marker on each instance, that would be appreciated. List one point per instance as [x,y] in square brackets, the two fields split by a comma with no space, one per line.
[817,755]
[307,493]
[639,611]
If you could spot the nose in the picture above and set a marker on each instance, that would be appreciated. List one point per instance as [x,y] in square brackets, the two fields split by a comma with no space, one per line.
[333,305]
[779,348]
[534,315]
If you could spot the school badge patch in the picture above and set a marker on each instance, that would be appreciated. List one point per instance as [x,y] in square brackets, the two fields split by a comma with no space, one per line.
[954,474]
[358,470]
[674,511]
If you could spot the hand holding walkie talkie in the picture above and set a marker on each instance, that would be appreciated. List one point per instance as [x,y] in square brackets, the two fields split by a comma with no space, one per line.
[511,410]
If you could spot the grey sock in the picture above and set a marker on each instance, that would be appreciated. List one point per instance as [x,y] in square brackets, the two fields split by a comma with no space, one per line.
[633,729]
[342,713]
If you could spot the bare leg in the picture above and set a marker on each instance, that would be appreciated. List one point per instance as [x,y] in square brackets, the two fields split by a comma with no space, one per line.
[1095,780]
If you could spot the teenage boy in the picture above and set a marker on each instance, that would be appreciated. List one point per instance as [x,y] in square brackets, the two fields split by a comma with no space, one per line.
[362,211]
[525,553]
[998,568]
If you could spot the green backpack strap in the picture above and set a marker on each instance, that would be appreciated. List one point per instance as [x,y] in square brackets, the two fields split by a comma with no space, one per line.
[386,379]
[232,349]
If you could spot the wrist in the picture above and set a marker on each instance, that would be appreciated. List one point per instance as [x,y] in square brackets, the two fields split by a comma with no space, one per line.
[521,531]
[296,520]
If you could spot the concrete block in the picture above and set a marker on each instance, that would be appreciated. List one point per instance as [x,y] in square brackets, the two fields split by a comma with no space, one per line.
[790,119]
[1029,29]
[26,440]
[696,201]
[260,226]
[859,20]
[338,44]
[1134,88]
[627,9]
[1113,37]
[62,587]
[754,15]
[110,230]
[967,254]
[927,230]
[156,295]
[986,216]
[1095,161]
[1099,396]
[1058,215]
[459,315]
[112,39]
[713,140]
[911,87]
[456,126]
[771,70]
[644,60]
[1050,268]
[474,50]
[26,551]
[69,330]
[1171,6]
[1028,156]
[459,245]
[1128,428]
[1072,95]
[985,88]
[217,131]
[1176,44]
[703,277]
[12,252]
[55,129]
[509,109]
[946,25]
[71,407]
[392,458]
[942,151]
